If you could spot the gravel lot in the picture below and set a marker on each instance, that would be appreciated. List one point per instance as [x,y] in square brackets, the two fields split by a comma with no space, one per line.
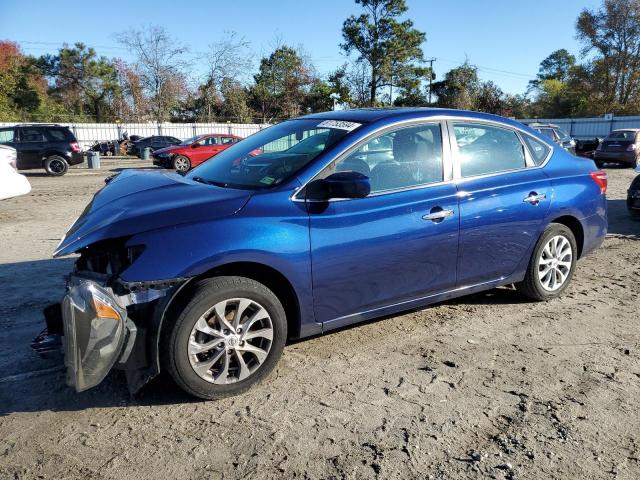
[483,386]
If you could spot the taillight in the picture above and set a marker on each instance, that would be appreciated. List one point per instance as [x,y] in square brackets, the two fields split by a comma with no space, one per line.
[600,178]
[631,148]
[75,148]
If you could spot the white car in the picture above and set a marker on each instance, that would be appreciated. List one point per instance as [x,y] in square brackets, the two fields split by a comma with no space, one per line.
[12,183]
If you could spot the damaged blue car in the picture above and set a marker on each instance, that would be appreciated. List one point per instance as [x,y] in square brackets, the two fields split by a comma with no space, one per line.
[207,275]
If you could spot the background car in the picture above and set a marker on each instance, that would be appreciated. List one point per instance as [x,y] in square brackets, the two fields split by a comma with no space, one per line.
[556,134]
[193,151]
[620,146]
[12,183]
[49,146]
[154,142]
[633,198]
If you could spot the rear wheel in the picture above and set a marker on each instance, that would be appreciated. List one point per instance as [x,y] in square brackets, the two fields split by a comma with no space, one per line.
[181,163]
[552,264]
[56,165]
[229,336]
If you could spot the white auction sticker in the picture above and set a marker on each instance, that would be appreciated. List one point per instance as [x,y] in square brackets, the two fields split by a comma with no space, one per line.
[340,125]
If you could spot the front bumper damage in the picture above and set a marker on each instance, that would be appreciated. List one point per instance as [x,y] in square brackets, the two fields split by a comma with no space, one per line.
[97,332]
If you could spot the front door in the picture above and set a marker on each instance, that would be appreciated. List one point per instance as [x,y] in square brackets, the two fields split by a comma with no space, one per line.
[503,201]
[398,244]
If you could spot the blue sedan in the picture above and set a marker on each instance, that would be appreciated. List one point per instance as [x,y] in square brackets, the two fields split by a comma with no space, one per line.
[208,274]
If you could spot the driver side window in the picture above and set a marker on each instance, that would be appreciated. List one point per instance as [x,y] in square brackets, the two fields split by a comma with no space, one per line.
[402,158]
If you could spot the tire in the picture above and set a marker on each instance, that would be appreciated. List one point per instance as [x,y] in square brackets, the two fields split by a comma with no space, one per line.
[56,166]
[536,287]
[180,163]
[199,326]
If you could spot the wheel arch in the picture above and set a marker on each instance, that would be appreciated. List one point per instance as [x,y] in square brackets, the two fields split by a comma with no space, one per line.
[573,224]
[273,279]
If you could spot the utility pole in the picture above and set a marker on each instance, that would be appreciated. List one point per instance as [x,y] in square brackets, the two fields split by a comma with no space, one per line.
[431,75]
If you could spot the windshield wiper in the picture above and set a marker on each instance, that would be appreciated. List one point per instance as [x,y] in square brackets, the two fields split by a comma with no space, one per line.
[210,182]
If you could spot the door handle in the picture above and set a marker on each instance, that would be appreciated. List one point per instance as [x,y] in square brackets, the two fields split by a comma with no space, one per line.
[437,214]
[535,198]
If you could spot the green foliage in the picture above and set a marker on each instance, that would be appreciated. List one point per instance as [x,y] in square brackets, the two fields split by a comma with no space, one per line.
[389,47]
[281,84]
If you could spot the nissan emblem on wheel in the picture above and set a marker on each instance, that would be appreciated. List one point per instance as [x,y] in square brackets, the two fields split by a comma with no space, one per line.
[311,225]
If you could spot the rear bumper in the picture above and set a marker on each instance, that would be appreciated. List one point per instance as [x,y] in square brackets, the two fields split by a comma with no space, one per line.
[595,230]
[624,157]
[75,158]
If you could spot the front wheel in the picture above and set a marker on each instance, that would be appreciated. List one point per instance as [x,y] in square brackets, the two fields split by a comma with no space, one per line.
[228,337]
[181,163]
[552,264]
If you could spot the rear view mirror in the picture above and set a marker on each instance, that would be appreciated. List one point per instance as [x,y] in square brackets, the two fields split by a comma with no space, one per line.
[339,185]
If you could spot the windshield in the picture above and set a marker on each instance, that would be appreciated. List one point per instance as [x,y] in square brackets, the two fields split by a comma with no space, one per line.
[622,135]
[273,155]
[189,141]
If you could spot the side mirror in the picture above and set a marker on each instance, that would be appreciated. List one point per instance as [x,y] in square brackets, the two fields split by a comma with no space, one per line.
[339,185]
[195,145]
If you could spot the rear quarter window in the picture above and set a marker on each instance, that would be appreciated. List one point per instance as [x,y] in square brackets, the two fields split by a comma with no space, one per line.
[537,149]
[59,135]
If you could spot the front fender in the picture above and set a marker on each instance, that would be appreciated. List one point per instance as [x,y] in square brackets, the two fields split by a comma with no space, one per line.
[270,230]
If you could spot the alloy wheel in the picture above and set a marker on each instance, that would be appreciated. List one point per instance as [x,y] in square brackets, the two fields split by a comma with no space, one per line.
[56,166]
[181,164]
[230,341]
[555,263]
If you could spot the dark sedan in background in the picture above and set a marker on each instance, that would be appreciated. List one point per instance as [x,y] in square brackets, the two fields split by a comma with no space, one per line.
[633,197]
[620,146]
[155,142]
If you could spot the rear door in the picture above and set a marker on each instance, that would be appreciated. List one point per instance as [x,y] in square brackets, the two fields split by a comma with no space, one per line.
[30,146]
[395,246]
[504,198]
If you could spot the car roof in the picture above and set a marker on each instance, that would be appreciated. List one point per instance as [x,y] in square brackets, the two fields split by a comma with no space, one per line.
[543,125]
[392,114]
[625,130]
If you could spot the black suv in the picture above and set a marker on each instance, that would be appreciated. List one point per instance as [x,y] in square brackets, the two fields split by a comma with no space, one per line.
[49,146]
[154,143]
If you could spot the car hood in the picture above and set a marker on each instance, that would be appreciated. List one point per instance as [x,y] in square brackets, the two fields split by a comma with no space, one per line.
[137,201]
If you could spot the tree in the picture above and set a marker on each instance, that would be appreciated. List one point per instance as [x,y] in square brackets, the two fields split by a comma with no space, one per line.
[160,64]
[23,89]
[228,60]
[490,98]
[383,43]
[281,84]
[84,83]
[612,35]
[556,66]
[459,88]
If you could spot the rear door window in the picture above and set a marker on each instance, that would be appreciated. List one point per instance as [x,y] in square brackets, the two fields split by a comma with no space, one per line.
[485,149]
[31,135]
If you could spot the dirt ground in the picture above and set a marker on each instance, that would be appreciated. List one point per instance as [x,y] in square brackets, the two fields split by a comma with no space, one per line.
[486,386]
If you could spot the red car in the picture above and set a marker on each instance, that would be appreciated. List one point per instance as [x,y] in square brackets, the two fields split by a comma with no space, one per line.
[193,151]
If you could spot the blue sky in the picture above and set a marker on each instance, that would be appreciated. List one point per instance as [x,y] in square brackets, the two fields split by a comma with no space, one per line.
[506,39]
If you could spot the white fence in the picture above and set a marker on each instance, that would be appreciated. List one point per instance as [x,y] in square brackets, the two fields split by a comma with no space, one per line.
[585,128]
[89,133]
